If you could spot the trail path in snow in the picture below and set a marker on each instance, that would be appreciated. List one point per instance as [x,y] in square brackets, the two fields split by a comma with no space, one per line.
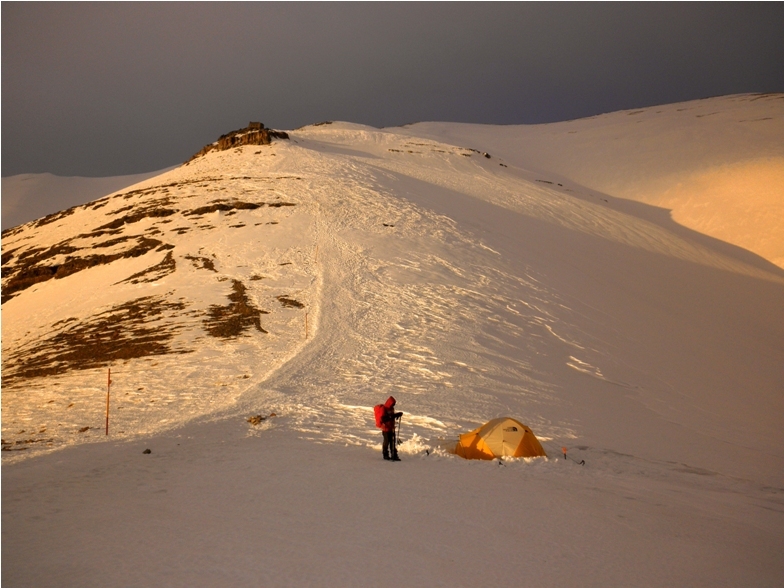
[399,318]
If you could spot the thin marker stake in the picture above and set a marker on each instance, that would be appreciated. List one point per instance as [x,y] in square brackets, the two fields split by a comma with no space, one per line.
[108,388]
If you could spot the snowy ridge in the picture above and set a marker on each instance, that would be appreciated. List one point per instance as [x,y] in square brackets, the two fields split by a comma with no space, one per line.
[717,163]
[27,197]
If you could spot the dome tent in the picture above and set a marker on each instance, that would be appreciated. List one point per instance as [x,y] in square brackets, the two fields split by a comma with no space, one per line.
[498,438]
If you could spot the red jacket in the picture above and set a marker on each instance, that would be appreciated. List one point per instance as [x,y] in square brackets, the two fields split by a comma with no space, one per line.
[388,418]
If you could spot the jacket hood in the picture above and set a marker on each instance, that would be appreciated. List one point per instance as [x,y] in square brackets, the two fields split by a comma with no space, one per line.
[390,402]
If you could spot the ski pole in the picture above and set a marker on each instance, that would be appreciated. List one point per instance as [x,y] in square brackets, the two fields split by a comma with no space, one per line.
[581,462]
[565,454]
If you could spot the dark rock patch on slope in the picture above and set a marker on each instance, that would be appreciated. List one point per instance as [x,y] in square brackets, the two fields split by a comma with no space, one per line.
[223,206]
[38,264]
[232,320]
[137,328]
[232,206]
[154,272]
[201,262]
[151,212]
[289,302]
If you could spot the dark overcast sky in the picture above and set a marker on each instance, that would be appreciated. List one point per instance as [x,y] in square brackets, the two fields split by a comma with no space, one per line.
[107,89]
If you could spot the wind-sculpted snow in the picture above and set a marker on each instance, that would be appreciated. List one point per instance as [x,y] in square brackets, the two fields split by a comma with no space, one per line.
[525,192]
[715,165]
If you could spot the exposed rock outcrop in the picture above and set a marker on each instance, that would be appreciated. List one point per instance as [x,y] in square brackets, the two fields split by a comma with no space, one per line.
[141,327]
[228,322]
[253,134]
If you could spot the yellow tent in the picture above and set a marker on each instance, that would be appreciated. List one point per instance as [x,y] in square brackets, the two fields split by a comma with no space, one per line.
[497,438]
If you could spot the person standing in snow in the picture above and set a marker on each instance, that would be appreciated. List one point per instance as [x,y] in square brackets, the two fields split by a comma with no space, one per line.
[385,420]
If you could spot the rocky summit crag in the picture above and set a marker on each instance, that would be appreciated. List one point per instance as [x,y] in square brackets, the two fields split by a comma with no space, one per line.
[254,134]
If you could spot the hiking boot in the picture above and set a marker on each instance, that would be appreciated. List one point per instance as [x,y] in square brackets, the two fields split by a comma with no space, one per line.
[394,458]
[387,457]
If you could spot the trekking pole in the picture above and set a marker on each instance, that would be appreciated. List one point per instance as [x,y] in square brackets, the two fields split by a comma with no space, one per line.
[397,436]
[581,462]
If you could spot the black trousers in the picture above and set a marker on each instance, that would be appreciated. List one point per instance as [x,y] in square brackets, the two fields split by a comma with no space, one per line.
[389,442]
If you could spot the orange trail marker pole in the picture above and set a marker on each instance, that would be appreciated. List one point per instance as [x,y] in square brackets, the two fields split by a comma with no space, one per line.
[108,388]
[306,325]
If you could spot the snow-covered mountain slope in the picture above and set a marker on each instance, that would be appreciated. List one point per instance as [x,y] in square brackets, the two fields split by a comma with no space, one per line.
[315,276]
[717,164]
[27,197]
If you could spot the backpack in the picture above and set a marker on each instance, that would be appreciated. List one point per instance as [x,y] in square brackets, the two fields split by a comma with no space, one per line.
[379,410]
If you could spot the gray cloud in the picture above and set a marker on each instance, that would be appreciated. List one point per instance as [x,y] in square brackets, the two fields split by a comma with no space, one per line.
[109,89]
